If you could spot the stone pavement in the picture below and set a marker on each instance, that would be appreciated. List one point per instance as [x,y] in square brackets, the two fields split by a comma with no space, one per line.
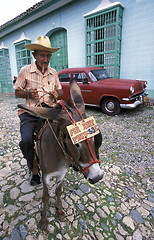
[119,207]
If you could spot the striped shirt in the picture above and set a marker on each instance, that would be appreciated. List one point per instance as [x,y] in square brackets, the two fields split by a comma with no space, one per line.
[31,78]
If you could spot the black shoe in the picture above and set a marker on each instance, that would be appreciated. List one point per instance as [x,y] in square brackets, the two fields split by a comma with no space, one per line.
[35,180]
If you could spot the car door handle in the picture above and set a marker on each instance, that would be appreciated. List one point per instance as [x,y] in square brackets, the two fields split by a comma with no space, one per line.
[86,91]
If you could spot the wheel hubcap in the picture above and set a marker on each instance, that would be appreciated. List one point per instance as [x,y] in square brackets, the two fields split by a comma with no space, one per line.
[110,106]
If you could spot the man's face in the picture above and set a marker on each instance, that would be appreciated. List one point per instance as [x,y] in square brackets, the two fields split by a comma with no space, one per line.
[42,59]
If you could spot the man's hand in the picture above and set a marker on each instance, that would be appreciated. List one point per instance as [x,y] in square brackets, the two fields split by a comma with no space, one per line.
[33,94]
[54,94]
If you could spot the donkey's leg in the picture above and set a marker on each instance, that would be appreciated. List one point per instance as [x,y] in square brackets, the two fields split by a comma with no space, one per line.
[58,190]
[43,222]
[58,204]
[58,193]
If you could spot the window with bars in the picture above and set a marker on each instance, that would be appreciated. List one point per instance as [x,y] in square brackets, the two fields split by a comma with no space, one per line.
[5,71]
[23,56]
[103,39]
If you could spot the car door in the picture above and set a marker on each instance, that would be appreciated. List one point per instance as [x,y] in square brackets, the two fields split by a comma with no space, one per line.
[86,86]
[65,80]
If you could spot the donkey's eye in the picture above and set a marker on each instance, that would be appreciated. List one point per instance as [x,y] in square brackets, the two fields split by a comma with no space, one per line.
[77,145]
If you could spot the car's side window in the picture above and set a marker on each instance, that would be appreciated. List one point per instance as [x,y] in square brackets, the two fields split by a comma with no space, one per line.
[92,77]
[64,77]
[80,77]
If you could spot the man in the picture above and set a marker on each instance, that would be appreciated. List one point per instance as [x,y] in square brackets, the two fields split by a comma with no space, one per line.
[39,85]
[14,80]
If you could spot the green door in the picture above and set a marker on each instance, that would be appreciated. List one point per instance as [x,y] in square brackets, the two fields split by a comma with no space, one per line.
[5,72]
[59,59]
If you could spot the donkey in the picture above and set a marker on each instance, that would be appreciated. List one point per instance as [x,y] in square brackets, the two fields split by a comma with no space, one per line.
[56,152]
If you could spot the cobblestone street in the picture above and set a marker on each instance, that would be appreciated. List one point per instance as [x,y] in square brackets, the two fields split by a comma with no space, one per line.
[119,207]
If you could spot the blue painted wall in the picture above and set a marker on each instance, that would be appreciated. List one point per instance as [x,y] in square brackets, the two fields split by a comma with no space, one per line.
[137,53]
[137,58]
[69,17]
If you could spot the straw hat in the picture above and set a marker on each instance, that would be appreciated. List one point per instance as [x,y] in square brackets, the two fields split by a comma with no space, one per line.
[41,43]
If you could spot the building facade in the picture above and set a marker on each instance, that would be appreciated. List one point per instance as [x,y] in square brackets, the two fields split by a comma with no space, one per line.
[115,35]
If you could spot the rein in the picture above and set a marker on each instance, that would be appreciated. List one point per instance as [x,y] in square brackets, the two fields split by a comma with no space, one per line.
[49,124]
[60,145]
[82,169]
[63,106]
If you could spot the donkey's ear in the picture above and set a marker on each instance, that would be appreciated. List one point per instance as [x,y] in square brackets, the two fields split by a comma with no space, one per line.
[76,96]
[49,113]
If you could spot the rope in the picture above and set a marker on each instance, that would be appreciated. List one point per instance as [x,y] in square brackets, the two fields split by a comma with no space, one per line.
[38,101]
[63,106]
[85,169]
[64,152]
[78,111]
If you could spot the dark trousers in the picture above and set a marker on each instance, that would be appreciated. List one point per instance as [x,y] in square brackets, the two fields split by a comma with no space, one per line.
[27,126]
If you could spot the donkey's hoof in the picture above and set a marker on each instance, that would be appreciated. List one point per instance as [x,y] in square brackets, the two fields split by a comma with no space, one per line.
[60,215]
[43,223]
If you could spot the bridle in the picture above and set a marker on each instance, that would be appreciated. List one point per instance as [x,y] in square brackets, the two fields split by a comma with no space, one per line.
[82,169]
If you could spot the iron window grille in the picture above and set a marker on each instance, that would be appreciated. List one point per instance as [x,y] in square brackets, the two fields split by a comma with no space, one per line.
[23,56]
[103,39]
[5,71]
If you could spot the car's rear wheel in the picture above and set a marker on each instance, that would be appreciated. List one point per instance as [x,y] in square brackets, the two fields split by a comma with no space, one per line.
[110,106]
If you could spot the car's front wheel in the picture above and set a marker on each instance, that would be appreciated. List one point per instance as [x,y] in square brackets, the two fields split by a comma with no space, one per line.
[110,106]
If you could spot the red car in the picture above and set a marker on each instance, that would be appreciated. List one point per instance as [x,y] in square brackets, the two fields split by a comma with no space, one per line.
[99,89]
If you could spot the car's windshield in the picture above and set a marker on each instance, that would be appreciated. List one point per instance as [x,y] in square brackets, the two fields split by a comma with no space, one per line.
[98,74]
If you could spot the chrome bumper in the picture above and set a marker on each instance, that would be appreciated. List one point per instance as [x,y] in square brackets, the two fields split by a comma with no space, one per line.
[132,105]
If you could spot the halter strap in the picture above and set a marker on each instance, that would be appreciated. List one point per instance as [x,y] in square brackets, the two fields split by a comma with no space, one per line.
[86,169]
[79,112]
[63,106]
[82,169]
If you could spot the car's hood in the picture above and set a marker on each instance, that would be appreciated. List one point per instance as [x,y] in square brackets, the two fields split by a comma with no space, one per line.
[119,81]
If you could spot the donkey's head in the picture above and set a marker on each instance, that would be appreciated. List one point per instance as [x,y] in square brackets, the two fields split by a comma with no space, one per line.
[85,153]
